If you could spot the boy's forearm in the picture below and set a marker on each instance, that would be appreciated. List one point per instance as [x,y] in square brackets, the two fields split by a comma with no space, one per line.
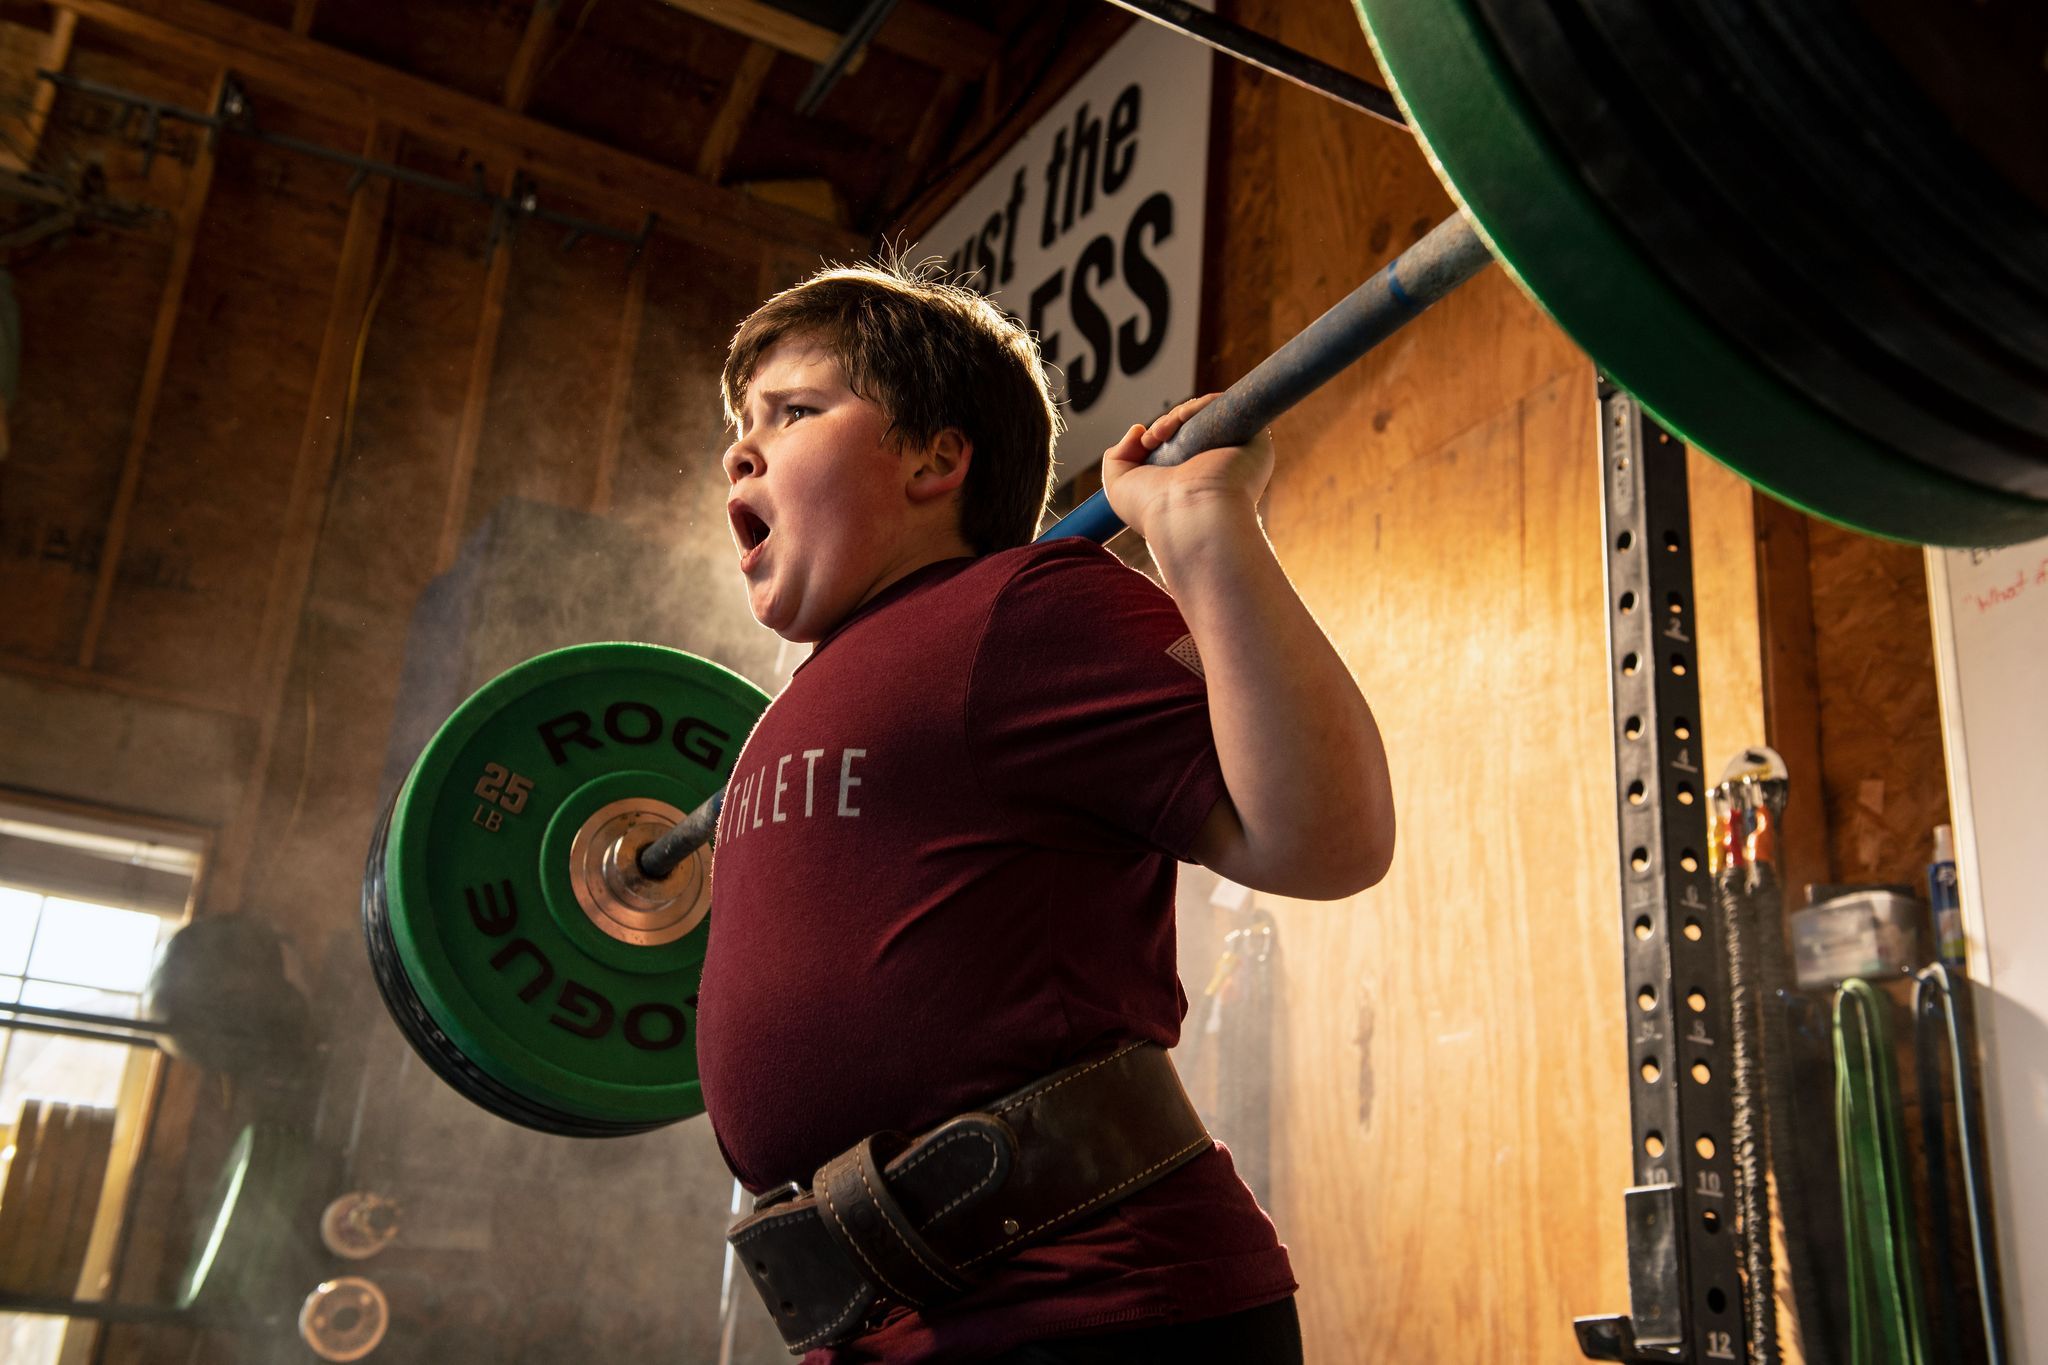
[1301,754]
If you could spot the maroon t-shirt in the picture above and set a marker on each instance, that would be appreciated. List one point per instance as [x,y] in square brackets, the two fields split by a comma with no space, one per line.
[945,868]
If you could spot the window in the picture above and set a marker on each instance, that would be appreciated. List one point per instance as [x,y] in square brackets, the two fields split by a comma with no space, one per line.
[86,901]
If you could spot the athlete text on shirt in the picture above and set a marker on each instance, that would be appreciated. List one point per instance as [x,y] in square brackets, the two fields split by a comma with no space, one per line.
[768,794]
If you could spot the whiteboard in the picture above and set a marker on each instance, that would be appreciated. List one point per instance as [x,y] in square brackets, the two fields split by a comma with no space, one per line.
[1990,610]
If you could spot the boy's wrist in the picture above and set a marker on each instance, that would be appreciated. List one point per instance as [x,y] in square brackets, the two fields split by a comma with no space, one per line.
[1197,525]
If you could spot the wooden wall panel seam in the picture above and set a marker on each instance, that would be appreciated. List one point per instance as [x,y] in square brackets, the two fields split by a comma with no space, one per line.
[341,85]
[71,675]
[197,189]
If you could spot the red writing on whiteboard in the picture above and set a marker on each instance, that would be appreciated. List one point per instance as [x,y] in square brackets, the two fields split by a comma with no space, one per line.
[1998,596]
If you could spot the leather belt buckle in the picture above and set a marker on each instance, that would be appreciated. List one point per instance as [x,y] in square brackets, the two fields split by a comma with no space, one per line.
[781,1194]
[909,1219]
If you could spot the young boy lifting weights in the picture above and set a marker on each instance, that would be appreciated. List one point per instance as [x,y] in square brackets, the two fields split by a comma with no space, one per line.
[941,970]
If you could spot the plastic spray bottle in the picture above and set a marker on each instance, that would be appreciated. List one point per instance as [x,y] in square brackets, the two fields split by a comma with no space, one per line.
[1944,899]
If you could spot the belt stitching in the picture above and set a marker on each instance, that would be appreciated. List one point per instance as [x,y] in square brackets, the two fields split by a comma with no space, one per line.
[1030,1095]
[853,1242]
[1087,1203]
[1019,1101]
[860,1168]
[852,1306]
[775,1220]
[994,1157]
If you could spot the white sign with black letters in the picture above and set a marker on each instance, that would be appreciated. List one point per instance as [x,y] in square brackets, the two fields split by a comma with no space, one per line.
[1090,232]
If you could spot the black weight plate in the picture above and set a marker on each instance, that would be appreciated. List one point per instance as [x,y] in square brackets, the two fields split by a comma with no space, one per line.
[434,1047]
[1643,174]
[1529,200]
[1895,221]
[1842,60]
[1774,141]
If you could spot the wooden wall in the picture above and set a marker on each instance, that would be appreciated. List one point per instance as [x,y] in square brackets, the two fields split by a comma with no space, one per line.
[1451,1116]
[248,436]
[348,380]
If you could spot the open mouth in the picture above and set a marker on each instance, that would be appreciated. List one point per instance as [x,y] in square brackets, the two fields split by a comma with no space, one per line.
[747,528]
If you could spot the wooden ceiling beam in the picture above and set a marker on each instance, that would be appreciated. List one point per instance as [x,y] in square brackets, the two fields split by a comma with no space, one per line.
[1096,31]
[931,37]
[533,46]
[764,23]
[926,35]
[340,84]
[741,95]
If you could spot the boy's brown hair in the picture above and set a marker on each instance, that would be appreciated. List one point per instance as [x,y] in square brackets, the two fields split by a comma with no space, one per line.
[932,355]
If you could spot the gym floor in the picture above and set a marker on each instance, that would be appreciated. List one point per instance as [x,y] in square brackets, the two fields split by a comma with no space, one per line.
[304,447]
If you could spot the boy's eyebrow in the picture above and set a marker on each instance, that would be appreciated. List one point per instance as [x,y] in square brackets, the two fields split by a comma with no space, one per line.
[775,398]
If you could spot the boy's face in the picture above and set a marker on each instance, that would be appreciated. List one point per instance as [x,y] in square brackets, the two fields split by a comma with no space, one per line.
[821,502]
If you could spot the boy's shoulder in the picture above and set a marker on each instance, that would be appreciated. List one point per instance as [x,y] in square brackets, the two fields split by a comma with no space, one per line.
[1043,585]
[1069,559]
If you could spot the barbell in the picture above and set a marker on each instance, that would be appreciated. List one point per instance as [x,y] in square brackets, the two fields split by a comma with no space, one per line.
[1812,284]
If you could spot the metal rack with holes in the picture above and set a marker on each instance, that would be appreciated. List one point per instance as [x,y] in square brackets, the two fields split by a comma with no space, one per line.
[1685,1293]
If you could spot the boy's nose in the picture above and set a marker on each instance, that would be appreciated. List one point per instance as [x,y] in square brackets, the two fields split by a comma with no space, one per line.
[740,461]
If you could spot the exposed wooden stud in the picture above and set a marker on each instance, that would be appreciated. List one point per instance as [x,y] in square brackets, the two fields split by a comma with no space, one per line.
[302,16]
[469,430]
[20,152]
[341,86]
[1791,687]
[926,35]
[533,46]
[320,437]
[197,184]
[628,347]
[740,97]
[304,505]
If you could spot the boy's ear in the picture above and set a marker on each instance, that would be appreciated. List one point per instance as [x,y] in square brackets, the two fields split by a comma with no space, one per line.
[940,467]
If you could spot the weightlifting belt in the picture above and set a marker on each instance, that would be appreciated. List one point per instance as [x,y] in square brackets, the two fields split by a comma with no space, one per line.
[911,1220]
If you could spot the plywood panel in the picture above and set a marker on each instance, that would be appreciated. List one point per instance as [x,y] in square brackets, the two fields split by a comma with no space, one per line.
[544,421]
[375,557]
[1452,1112]
[378,546]
[1880,727]
[1726,620]
[70,428]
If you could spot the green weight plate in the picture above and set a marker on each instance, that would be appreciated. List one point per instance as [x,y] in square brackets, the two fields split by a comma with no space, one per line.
[1554,238]
[511,969]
